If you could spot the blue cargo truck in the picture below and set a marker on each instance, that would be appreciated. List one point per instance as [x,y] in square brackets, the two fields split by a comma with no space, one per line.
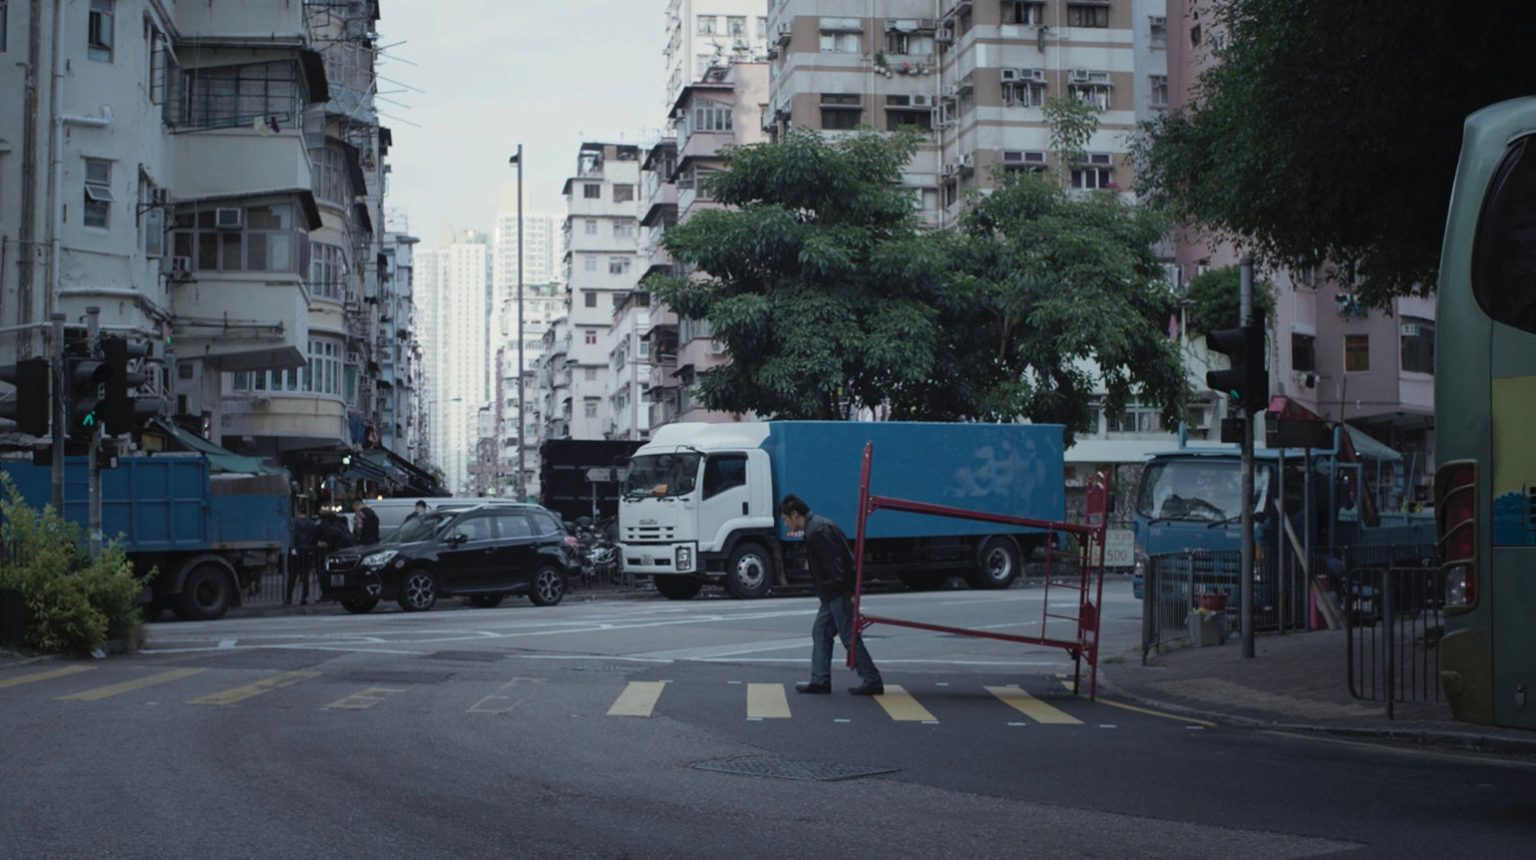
[700,500]
[209,535]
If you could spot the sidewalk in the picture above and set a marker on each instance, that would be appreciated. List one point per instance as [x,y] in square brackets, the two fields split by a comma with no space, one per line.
[1296,682]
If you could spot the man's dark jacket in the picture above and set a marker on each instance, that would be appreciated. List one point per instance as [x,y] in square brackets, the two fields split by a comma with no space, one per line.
[831,560]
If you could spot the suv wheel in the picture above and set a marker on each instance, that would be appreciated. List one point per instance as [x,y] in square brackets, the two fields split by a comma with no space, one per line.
[548,586]
[418,591]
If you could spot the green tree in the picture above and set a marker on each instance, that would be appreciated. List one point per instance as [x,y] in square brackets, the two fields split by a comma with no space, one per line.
[1072,123]
[1330,131]
[1212,300]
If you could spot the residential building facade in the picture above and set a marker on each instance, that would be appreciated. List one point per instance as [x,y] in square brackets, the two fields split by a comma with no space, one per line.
[453,298]
[702,34]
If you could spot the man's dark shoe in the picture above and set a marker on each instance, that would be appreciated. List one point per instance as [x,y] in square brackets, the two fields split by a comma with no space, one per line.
[867,690]
[812,687]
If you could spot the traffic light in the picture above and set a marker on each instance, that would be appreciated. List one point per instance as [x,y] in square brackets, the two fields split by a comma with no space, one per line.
[31,406]
[83,377]
[125,412]
[1247,382]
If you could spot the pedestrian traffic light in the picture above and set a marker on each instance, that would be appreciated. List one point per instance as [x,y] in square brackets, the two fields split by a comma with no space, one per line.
[1247,382]
[124,411]
[83,377]
[31,406]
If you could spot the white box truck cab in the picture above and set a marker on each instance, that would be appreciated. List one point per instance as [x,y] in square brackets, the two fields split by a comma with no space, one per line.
[700,501]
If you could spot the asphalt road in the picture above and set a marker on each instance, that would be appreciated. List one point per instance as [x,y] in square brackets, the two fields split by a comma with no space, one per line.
[647,728]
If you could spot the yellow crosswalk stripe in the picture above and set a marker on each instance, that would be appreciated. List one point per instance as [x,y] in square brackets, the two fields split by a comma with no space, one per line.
[767,702]
[365,698]
[265,685]
[638,699]
[901,706]
[1032,707]
[99,693]
[44,676]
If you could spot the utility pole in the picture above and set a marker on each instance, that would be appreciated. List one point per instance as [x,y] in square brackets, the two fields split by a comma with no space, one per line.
[60,409]
[1245,559]
[93,328]
[522,420]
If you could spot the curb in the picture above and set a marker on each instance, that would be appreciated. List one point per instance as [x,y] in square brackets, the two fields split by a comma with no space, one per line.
[1463,741]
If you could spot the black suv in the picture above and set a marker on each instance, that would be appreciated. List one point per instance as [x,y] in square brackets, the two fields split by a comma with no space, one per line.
[483,553]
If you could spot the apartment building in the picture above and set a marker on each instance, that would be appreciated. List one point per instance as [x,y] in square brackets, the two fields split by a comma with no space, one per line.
[658,207]
[453,299]
[398,357]
[601,267]
[629,368]
[516,425]
[702,34]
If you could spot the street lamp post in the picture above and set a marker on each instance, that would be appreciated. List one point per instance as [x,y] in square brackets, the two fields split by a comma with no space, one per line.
[522,422]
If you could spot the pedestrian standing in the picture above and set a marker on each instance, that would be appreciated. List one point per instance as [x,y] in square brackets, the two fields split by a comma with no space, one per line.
[365,523]
[826,548]
[301,557]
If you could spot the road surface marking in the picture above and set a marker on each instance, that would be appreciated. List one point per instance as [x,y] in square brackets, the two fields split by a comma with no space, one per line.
[638,699]
[100,693]
[500,702]
[767,701]
[1148,711]
[44,676]
[902,707]
[265,685]
[1032,707]
[365,698]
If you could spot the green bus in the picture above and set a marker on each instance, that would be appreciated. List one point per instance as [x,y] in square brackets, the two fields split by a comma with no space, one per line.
[1485,434]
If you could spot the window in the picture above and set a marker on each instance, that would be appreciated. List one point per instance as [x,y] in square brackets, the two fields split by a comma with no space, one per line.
[589,298]
[623,193]
[589,407]
[591,191]
[1194,35]
[724,472]
[1418,344]
[591,226]
[900,112]
[1024,94]
[619,265]
[589,263]
[510,525]
[98,193]
[1158,27]
[1087,15]
[736,26]
[332,180]
[840,35]
[762,26]
[1506,246]
[618,299]
[235,96]
[623,230]
[326,268]
[1357,353]
[265,240]
[840,111]
[1159,91]
[1095,171]
[708,115]
[1028,12]
[1303,352]
[1135,419]
[706,25]
[589,337]
[591,374]
[1094,93]
[99,31]
[151,219]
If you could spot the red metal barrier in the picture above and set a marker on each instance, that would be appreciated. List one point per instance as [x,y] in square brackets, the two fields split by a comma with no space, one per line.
[1084,639]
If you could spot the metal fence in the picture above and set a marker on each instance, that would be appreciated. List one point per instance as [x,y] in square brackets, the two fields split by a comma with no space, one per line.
[1394,615]
[1176,582]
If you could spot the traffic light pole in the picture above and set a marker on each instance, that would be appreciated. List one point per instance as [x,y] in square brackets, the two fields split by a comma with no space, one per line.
[60,411]
[93,323]
[1245,562]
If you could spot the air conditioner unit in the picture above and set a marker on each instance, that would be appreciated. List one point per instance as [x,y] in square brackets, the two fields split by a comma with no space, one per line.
[965,83]
[949,91]
[926,24]
[967,161]
[1202,419]
[176,268]
[785,32]
[944,36]
[159,196]
[229,218]
[1011,76]
[1081,76]
[922,101]
[1409,329]
[1035,75]
[950,170]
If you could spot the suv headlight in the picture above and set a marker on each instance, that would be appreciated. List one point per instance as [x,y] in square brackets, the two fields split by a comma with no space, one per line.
[378,559]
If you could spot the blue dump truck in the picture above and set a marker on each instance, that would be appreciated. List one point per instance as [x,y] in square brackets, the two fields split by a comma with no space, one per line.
[700,501]
[209,535]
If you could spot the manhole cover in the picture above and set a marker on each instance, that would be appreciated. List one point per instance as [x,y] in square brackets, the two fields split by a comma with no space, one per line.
[778,768]
[466,656]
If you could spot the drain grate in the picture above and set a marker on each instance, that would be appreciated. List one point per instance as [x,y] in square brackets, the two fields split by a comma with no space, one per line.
[779,768]
[466,656]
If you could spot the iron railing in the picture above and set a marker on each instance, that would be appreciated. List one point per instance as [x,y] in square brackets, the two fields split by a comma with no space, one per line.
[1394,614]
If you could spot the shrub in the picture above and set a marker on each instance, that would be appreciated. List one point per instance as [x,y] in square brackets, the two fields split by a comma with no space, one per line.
[73,603]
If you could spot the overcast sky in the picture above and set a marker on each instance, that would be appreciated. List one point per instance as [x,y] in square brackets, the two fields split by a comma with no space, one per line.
[548,74]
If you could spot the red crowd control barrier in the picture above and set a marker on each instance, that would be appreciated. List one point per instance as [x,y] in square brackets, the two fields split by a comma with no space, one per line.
[1082,642]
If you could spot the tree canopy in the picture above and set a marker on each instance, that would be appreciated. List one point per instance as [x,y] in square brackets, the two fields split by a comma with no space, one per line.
[1214,299]
[828,297]
[1330,130]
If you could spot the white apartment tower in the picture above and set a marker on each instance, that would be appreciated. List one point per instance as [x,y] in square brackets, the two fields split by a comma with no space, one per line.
[453,295]
[705,33]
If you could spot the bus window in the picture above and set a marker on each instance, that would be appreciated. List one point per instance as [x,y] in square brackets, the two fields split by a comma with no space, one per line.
[1504,254]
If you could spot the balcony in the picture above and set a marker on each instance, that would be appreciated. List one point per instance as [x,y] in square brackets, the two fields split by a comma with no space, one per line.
[245,21]
[270,163]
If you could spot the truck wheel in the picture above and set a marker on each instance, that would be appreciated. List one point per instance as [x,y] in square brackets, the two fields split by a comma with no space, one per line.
[748,574]
[361,605]
[548,586]
[206,594]
[677,587]
[998,564]
[418,591]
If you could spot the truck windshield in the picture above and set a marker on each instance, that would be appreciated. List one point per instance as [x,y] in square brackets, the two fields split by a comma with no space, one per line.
[419,528]
[1202,490]
[661,475]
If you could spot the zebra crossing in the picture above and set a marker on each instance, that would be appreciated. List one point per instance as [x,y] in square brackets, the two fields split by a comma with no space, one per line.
[626,699]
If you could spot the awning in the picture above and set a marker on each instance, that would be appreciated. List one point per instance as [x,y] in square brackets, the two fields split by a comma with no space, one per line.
[220,459]
[1367,448]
